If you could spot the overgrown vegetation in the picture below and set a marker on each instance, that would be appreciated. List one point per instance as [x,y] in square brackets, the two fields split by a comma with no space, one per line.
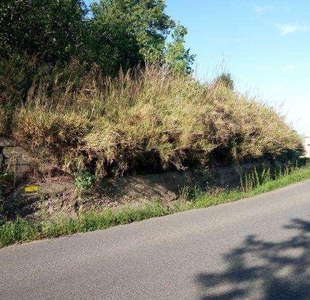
[104,91]
[143,120]
[107,91]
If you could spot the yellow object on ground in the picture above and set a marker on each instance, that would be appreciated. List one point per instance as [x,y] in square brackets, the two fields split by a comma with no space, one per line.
[30,189]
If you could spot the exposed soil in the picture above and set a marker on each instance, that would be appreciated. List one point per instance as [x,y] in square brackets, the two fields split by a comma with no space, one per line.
[57,194]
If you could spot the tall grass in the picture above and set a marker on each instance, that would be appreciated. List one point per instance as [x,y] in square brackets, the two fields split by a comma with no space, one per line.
[150,119]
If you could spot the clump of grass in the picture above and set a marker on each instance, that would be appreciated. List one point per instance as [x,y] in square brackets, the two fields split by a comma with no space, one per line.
[17,231]
[255,177]
[259,176]
[258,182]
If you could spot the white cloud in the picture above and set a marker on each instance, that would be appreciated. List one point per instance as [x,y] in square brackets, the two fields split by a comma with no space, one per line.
[265,68]
[286,29]
[289,68]
[286,68]
[262,9]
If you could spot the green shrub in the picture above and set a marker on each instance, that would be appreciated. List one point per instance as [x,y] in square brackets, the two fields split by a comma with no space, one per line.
[225,80]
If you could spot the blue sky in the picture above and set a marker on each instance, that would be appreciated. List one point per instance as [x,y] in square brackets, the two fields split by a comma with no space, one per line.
[264,44]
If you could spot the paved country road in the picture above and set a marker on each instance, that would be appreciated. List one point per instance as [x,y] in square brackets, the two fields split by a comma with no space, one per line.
[256,248]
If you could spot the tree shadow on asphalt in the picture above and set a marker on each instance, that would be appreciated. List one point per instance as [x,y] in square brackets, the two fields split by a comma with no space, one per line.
[279,270]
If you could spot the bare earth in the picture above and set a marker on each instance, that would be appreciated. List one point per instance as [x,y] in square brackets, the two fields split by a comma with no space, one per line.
[58,196]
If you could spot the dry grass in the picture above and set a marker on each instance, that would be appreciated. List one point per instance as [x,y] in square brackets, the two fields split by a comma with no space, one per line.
[141,121]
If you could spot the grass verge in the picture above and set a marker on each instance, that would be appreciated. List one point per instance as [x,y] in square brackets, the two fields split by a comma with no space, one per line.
[20,231]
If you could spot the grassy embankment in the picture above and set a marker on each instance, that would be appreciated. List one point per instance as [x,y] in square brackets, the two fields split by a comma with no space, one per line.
[23,231]
[146,121]
[142,121]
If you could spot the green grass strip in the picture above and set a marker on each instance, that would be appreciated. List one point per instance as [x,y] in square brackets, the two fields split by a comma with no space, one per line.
[20,231]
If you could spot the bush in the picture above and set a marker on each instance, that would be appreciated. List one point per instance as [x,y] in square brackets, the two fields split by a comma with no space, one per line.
[225,80]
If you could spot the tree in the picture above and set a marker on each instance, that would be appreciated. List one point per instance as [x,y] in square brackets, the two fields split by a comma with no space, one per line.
[176,56]
[128,32]
[49,29]
[117,34]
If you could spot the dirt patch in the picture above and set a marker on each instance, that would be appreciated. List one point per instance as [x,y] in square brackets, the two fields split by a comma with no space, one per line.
[56,193]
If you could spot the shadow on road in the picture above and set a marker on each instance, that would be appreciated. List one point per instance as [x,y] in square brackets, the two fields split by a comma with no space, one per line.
[261,269]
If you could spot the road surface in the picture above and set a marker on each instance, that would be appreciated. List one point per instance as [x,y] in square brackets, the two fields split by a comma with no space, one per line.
[257,248]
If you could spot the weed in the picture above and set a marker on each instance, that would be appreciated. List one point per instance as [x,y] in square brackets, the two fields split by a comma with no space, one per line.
[83,181]
[254,178]
[190,193]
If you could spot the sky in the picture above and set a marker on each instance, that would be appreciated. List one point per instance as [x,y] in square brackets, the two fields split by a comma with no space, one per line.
[264,44]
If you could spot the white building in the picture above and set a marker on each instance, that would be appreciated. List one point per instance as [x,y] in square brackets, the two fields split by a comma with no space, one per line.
[307,145]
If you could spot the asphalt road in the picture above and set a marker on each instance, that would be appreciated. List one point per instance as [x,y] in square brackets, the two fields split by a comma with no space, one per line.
[256,248]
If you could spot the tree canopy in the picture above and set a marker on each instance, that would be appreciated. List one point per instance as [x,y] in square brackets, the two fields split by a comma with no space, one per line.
[112,33]
[52,30]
